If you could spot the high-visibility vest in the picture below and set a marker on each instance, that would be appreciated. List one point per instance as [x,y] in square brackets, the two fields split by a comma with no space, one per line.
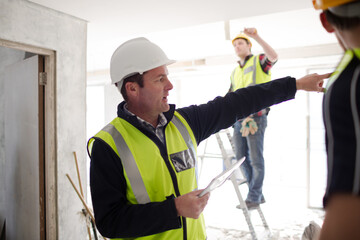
[346,59]
[148,174]
[250,74]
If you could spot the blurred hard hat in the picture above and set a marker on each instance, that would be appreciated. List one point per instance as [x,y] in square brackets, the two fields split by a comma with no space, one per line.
[342,8]
[325,4]
[137,55]
[243,36]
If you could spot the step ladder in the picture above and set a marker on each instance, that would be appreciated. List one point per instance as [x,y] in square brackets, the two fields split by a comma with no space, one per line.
[227,157]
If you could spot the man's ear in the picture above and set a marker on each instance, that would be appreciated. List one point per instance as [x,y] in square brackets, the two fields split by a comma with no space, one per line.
[131,88]
[328,27]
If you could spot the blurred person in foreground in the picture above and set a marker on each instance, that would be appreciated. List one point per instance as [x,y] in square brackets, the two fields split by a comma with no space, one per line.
[341,108]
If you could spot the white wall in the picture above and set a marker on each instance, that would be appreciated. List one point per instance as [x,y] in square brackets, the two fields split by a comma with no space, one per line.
[28,23]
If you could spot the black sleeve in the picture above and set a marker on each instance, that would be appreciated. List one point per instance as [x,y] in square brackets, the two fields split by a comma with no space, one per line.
[222,112]
[115,217]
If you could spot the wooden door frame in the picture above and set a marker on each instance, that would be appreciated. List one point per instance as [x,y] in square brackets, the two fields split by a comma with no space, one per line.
[51,228]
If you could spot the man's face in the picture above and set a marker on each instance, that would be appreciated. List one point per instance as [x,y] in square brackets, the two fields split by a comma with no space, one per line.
[241,47]
[153,96]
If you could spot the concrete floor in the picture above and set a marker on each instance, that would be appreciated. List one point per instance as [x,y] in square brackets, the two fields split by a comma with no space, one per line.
[286,217]
[285,211]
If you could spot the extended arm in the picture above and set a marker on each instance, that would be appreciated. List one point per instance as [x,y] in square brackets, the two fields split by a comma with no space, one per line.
[222,112]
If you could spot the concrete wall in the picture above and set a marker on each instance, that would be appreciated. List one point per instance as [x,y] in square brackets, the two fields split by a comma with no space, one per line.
[7,57]
[28,23]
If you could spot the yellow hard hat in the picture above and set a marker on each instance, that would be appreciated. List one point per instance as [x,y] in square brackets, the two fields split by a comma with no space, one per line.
[243,36]
[325,4]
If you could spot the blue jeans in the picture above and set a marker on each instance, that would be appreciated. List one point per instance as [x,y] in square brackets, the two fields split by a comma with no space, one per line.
[252,148]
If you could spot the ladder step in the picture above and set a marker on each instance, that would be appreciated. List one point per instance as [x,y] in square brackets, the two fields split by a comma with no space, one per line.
[237,180]
[249,209]
[239,206]
[241,181]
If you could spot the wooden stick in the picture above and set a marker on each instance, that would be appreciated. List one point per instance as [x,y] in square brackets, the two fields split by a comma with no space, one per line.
[82,192]
[88,229]
[78,174]
[81,198]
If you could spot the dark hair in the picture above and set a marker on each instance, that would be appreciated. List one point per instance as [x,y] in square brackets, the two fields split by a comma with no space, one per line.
[247,41]
[138,78]
[342,23]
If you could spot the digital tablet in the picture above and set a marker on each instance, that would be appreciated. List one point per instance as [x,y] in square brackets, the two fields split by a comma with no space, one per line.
[221,178]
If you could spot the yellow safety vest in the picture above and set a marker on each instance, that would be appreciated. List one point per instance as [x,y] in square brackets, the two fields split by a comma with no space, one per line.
[346,59]
[250,74]
[146,171]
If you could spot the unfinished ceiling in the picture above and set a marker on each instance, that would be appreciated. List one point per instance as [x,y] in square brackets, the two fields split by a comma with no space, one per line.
[184,29]
[129,17]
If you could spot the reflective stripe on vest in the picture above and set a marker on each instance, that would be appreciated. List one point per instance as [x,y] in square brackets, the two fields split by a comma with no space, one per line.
[185,134]
[355,113]
[254,72]
[129,165]
[128,160]
[354,108]
[249,75]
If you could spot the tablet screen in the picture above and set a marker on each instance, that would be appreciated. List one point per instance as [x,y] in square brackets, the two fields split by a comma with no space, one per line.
[221,178]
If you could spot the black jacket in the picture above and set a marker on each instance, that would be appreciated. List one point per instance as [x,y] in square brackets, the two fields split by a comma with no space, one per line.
[341,120]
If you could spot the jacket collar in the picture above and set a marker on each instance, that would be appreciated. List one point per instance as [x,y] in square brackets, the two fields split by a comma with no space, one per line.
[133,119]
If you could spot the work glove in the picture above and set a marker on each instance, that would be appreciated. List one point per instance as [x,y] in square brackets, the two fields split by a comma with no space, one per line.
[248,126]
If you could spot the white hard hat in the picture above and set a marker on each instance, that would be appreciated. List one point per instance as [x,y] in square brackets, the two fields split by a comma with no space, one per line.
[137,55]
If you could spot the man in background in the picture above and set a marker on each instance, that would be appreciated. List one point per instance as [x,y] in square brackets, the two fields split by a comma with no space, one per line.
[249,131]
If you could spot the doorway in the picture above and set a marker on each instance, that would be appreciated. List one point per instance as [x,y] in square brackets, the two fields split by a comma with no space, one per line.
[28,178]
